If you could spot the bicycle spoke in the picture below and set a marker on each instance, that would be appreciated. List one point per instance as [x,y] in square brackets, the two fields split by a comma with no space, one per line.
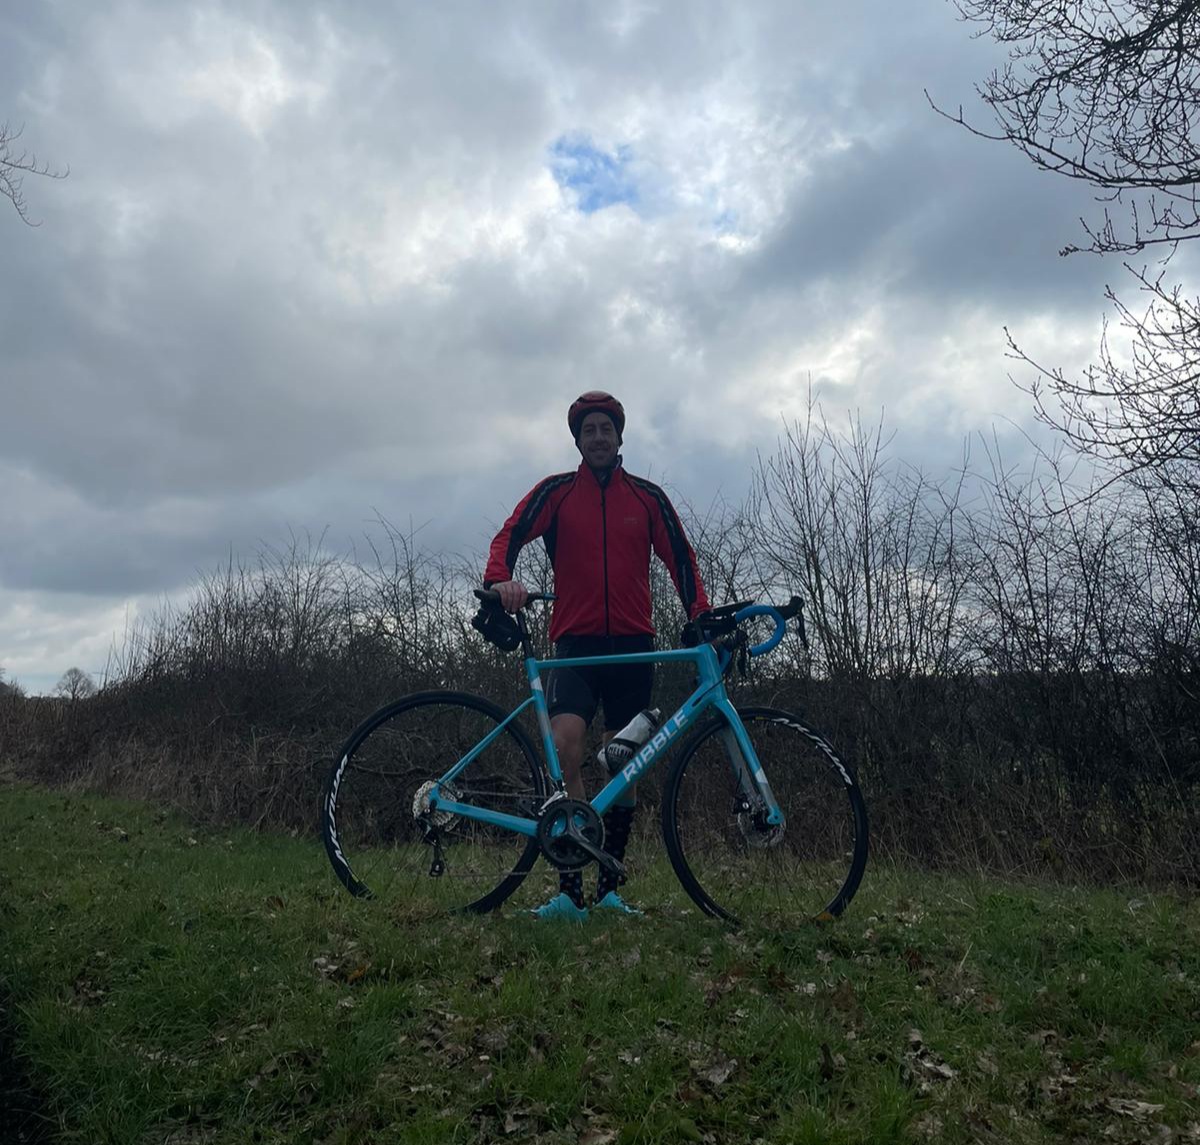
[730,860]
[381,830]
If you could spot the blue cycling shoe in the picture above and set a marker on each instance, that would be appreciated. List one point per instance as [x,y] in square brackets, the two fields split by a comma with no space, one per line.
[561,906]
[613,901]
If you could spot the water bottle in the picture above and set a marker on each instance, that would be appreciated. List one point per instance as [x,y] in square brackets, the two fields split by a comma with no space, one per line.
[624,745]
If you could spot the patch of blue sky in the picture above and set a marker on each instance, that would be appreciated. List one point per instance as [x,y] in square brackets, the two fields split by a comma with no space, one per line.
[598,178]
[726,222]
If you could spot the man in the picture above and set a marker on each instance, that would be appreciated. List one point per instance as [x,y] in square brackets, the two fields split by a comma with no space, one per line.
[599,525]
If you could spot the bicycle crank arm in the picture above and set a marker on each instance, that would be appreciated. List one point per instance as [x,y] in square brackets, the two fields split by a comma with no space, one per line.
[602,857]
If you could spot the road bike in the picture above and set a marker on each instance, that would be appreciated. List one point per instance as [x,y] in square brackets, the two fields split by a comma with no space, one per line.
[443,797]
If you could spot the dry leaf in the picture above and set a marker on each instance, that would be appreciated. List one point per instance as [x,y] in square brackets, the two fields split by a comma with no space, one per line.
[719,986]
[844,997]
[929,1124]
[597,1137]
[720,1072]
[1127,1107]
[923,1062]
[778,980]
[828,1064]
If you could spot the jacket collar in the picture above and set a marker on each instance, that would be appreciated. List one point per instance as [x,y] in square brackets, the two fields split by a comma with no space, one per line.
[587,472]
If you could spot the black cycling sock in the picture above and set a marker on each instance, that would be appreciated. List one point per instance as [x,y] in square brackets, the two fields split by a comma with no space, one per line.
[571,884]
[617,821]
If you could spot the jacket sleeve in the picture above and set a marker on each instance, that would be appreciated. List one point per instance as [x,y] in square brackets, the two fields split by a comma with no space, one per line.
[528,521]
[676,553]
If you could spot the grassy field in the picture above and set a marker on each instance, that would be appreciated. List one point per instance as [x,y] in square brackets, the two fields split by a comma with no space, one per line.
[165,984]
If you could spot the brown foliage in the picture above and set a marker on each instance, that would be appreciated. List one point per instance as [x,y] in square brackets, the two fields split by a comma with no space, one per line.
[1013,670]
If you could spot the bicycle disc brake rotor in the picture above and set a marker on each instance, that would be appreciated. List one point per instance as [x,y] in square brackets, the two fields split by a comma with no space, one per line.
[758,833]
[430,815]
[552,832]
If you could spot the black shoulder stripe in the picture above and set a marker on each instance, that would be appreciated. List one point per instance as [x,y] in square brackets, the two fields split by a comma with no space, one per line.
[679,545]
[537,501]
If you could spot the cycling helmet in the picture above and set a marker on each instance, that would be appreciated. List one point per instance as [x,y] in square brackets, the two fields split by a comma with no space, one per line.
[591,402]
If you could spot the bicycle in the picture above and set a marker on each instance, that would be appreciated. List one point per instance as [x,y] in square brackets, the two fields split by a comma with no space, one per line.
[447,791]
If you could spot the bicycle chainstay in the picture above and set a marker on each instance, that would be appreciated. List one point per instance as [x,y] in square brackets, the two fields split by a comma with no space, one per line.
[433,833]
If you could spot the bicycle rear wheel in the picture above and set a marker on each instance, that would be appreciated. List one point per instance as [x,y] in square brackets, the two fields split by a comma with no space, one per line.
[382,838]
[729,860]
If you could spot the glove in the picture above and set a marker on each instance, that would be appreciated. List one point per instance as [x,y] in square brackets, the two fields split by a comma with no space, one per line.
[694,632]
[497,627]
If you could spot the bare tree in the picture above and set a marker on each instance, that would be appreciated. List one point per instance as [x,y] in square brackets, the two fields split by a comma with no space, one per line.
[869,544]
[1137,409]
[15,164]
[1108,92]
[75,684]
[7,688]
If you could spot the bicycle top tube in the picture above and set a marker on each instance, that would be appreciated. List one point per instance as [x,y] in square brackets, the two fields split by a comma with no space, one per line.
[697,655]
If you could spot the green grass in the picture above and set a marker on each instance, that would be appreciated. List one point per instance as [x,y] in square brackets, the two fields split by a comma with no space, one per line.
[168,984]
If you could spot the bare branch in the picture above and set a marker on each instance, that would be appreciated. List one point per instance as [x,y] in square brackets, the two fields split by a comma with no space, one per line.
[1107,93]
[15,165]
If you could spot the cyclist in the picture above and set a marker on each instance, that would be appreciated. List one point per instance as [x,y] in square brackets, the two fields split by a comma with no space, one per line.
[599,525]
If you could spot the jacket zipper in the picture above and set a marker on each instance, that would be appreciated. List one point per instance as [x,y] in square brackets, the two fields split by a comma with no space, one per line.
[604,542]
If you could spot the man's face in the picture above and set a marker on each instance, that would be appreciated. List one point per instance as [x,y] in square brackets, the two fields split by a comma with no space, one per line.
[598,440]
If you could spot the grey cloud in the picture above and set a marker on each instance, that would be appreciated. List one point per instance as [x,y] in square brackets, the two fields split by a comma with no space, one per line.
[940,218]
[209,339]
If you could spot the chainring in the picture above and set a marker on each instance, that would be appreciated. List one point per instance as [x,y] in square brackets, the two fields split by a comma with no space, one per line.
[559,849]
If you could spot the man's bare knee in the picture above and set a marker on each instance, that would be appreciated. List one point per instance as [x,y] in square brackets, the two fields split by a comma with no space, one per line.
[569,732]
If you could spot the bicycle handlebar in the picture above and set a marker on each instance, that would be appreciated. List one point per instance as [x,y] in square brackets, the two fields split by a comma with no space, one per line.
[763,610]
[781,614]
[492,597]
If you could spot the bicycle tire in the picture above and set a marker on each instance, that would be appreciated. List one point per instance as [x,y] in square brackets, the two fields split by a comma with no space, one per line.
[375,842]
[735,870]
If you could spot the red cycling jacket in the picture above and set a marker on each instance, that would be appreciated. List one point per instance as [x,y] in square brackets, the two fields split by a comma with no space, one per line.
[599,538]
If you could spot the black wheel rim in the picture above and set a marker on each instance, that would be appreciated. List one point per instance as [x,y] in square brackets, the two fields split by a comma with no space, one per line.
[383,840]
[731,861]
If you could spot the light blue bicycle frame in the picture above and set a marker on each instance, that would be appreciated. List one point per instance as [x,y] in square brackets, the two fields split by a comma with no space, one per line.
[709,693]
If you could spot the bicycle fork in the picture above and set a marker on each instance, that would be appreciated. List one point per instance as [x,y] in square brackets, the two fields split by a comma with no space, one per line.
[755,799]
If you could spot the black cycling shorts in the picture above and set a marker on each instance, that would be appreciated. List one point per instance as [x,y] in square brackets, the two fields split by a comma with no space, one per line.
[622,689]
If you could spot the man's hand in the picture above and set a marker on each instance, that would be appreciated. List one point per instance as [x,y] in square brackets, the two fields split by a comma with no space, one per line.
[513,594]
[694,632]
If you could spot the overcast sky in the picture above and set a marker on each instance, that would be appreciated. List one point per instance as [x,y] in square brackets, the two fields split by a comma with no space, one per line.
[314,261]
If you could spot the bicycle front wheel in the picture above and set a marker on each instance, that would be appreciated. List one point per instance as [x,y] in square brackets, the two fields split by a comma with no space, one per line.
[381,835]
[733,863]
